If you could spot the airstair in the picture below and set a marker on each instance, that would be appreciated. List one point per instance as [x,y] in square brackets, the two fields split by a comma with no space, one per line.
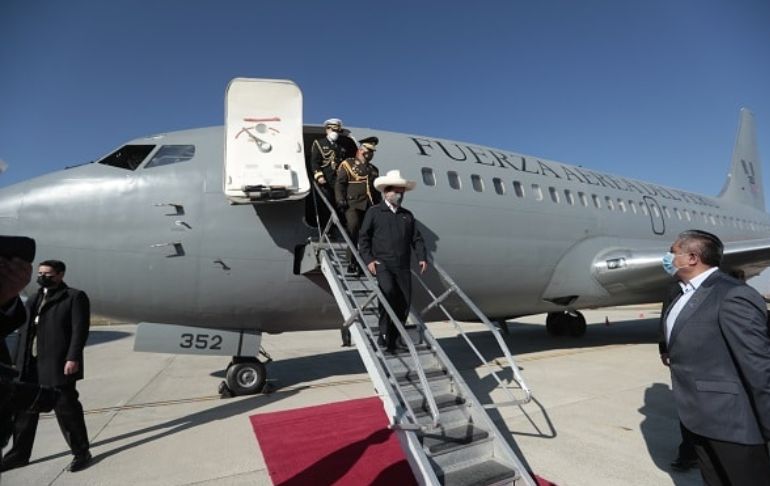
[446,434]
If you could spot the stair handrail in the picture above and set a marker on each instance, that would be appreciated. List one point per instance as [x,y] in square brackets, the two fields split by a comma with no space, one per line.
[452,287]
[334,219]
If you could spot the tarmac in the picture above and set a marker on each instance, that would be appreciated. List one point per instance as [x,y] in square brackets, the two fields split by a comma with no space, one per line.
[602,411]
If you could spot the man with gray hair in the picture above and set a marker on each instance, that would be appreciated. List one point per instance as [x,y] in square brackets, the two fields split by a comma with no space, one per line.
[717,345]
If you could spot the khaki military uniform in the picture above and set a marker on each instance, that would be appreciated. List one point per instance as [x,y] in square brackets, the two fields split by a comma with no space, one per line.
[355,193]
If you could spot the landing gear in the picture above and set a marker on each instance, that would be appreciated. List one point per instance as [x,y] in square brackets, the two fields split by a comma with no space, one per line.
[572,323]
[245,376]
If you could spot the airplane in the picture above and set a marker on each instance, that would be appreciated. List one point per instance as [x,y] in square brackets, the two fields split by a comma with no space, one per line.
[200,234]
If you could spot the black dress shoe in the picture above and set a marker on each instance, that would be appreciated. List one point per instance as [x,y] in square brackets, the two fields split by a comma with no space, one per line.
[681,464]
[12,462]
[80,462]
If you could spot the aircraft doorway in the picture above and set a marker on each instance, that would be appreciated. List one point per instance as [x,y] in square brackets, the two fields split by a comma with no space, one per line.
[656,215]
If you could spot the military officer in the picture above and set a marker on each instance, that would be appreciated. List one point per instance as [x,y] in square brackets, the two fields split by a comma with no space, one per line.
[355,191]
[325,156]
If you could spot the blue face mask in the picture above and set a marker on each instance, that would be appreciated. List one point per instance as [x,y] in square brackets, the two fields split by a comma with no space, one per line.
[668,264]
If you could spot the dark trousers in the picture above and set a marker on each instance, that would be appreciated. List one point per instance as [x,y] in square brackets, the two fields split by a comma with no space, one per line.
[687,446]
[323,211]
[69,414]
[727,463]
[353,217]
[396,285]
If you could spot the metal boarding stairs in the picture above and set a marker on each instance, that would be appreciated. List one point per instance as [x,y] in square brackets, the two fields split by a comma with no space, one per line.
[445,432]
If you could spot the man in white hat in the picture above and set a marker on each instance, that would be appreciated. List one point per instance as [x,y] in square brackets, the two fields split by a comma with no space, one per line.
[387,238]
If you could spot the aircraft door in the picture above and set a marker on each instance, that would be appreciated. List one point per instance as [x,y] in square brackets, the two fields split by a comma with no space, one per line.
[264,153]
[656,215]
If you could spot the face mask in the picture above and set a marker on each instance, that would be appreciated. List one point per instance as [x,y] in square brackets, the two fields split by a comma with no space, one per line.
[45,281]
[668,264]
[395,198]
[333,136]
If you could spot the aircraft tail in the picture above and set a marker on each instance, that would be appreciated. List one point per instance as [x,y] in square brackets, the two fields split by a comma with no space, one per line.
[744,182]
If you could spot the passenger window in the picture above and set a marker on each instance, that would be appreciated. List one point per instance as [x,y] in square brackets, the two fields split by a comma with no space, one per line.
[477,183]
[171,154]
[678,214]
[597,202]
[554,194]
[643,207]
[608,200]
[128,157]
[454,180]
[632,206]
[621,205]
[537,192]
[499,187]
[583,199]
[518,189]
[569,197]
[427,176]
[655,211]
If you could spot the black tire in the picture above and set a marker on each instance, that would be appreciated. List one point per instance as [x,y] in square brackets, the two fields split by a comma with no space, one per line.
[576,324]
[246,378]
[556,323]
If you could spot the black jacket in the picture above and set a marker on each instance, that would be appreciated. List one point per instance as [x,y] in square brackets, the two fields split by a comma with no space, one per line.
[15,318]
[389,237]
[62,332]
[326,156]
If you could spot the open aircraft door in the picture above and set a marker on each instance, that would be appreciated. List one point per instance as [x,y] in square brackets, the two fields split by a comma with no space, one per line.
[264,155]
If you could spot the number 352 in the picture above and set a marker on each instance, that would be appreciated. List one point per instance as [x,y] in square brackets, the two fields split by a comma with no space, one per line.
[200,341]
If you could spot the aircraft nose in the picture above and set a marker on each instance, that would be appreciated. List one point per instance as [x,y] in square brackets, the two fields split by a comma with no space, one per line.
[11,199]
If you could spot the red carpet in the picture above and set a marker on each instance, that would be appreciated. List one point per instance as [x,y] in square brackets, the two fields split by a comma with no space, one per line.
[343,443]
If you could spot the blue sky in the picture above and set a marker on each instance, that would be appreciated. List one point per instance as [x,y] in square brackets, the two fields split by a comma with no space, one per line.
[648,89]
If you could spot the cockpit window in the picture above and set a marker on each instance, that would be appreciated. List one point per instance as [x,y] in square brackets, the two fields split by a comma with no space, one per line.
[128,157]
[171,154]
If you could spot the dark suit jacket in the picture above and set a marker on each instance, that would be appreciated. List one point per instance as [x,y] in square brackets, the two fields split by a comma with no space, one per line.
[720,362]
[16,317]
[62,332]
[389,237]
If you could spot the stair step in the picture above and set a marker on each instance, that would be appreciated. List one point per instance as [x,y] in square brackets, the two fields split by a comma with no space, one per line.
[451,439]
[406,373]
[441,386]
[413,379]
[443,400]
[450,415]
[483,473]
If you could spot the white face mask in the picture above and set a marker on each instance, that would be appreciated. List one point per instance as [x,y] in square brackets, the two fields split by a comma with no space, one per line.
[333,136]
[395,198]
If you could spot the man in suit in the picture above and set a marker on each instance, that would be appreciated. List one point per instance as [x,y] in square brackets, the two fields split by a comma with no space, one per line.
[14,276]
[718,350]
[50,353]
[388,236]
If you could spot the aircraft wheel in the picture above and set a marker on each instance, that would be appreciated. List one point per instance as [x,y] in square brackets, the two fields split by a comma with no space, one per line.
[246,378]
[556,323]
[576,324]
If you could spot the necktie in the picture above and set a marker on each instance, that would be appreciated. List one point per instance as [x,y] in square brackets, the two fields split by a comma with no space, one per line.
[37,320]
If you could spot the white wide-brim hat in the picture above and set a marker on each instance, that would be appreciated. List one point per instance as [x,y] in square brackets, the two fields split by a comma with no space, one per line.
[393,178]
